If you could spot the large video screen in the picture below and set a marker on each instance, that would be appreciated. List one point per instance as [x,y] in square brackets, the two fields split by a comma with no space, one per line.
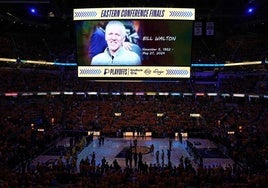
[134,43]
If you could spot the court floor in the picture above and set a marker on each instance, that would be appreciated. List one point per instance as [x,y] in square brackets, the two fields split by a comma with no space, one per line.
[113,148]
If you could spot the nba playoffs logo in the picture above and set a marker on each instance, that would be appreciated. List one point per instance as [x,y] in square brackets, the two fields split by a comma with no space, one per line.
[115,72]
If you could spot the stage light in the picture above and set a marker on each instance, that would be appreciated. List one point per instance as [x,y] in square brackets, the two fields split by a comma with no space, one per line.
[33,11]
[250,10]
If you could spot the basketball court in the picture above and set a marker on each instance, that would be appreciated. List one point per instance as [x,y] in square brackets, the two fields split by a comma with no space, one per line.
[115,148]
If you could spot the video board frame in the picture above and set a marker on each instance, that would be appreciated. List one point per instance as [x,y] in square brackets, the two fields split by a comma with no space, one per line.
[150,17]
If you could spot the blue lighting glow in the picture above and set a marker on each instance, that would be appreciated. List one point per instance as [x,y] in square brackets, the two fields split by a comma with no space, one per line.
[33,11]
[250,10]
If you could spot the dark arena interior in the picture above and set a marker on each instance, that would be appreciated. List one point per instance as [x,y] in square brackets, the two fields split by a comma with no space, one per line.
[206,130]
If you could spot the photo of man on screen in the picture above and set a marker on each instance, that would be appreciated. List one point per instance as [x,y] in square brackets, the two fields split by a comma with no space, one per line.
[116,53]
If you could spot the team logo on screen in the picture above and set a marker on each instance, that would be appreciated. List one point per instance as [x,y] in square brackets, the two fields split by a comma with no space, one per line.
[147,71]
[158,72]
[134,71]
[115,71]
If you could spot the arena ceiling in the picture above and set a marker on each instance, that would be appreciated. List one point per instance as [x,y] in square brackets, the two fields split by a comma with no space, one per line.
[223,11]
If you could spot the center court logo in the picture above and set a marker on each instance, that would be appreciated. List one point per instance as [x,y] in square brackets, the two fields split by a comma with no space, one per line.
[115,72]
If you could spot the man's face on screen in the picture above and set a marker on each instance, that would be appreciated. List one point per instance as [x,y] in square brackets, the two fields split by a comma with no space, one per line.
[114,37]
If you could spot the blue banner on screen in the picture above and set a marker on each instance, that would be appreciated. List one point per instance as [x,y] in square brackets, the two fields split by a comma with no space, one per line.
[134,43]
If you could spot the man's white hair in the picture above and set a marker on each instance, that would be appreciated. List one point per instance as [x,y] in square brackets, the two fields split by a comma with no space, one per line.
[119,24]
